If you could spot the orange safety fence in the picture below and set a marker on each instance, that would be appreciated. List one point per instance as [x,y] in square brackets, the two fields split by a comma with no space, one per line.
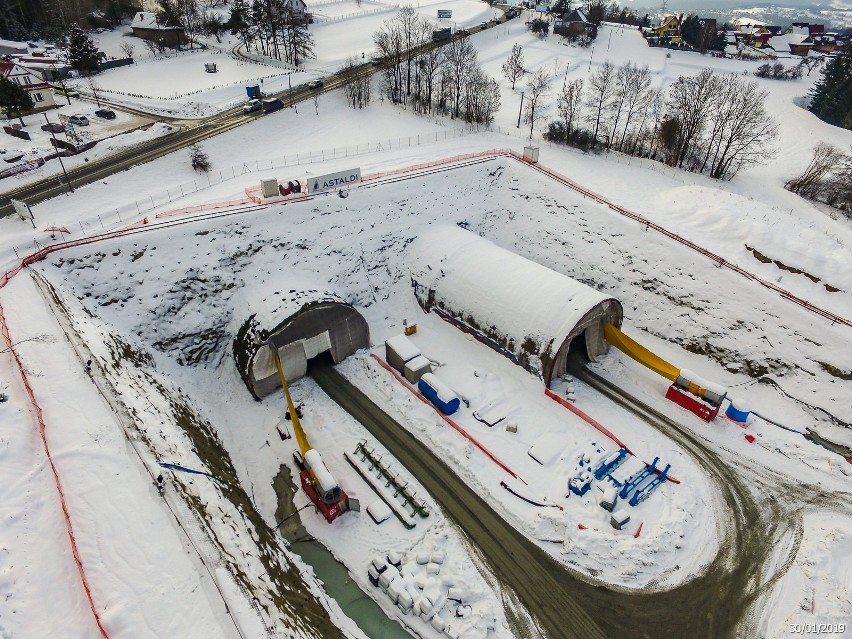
[41,430]
[452,423]
[211,206]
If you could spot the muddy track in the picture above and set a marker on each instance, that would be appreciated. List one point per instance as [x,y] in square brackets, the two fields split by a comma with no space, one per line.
[716,603]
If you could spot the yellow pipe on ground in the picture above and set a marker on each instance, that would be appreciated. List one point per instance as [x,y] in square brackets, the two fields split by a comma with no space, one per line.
[640,353]
[301,438]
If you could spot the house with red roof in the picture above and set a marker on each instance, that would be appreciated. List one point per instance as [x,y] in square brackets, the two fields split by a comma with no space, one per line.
[40,91]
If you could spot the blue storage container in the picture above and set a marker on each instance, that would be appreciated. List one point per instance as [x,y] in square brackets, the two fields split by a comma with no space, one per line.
[737,411]
[437,393]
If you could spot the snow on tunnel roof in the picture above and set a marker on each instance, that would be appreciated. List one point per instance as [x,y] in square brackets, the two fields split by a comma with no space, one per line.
[499,288]
[271,304]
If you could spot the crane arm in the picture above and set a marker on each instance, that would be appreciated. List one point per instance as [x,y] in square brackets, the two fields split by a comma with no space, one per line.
[301,438]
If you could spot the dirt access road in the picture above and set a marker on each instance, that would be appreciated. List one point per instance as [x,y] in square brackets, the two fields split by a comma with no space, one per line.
[566,604]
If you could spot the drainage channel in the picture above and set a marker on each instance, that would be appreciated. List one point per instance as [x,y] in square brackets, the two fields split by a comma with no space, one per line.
[355,603]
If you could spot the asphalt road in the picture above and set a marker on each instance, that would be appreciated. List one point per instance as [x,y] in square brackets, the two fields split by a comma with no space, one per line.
[196,132]
[191,132]
[566,604]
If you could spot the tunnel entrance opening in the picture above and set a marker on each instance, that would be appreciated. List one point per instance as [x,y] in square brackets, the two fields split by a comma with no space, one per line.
[328,330]
[578,354]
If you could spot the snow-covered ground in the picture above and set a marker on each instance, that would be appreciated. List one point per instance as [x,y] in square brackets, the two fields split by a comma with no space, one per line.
[678,304]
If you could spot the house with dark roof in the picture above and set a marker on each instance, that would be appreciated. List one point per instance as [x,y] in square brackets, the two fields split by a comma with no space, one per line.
[147,26]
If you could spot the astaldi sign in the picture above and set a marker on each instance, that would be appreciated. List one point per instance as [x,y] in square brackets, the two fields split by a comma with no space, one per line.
[334,180]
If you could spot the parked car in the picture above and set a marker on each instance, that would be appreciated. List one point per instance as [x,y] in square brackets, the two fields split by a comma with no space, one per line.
[53,127]
[79,120]
[272,105]
[253,105]
[106,114]
[69,91]
[315,84]
[482,26]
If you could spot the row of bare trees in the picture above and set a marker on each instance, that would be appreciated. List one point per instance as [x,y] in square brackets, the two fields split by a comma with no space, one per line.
[445,80]
[707,123]
[356,86]
[272,28]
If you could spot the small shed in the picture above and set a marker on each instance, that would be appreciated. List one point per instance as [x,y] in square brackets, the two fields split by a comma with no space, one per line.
[619,519]
[416,367]
[399,350]
[146,25]
[210,67]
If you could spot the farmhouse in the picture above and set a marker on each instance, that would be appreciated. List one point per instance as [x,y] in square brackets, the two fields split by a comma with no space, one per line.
[40,91]
[145,25]
[526,311]
[668,31]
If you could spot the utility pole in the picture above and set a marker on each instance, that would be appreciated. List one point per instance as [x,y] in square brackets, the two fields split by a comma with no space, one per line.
[520,109]
[58,154]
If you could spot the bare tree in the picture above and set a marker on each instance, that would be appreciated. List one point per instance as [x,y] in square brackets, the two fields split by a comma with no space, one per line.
[568,104]
[839,185]
[537,89]
[127,49]
[154,46]
[389,42]
[198,158]
[357,86]
[690,101]
[409,27]
[810,183]
[95,89]
[652,108]
[746,133]
[482,97]
[513,68]
[810,63]
[601,89]
[459,62]
[635,96]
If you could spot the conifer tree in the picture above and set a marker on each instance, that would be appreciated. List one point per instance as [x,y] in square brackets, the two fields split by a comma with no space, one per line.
[14,99]
[831,97]
[82,53]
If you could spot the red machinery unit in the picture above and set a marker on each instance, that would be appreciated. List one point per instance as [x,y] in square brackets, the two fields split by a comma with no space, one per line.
[329,511]
[704,410]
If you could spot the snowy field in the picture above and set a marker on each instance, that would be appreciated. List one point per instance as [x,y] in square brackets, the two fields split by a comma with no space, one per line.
[678,304]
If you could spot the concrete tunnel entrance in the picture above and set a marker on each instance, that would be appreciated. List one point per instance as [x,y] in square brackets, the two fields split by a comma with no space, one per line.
[331,328]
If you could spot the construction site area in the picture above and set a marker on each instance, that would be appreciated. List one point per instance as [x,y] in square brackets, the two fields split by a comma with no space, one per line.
[507,406]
